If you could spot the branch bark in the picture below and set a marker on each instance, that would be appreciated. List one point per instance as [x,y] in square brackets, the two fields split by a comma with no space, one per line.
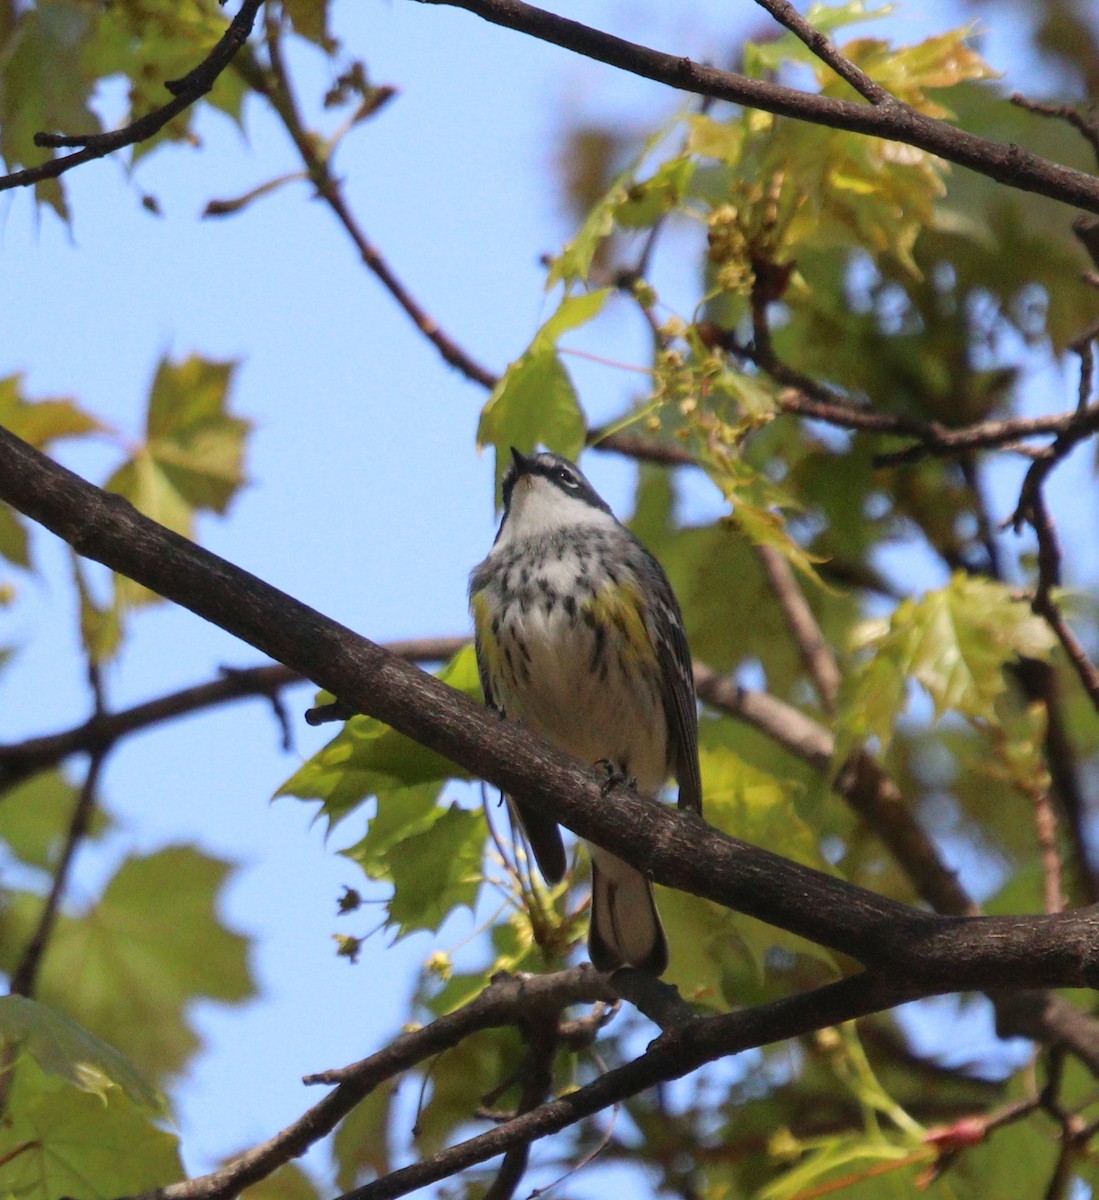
[1008,164]
[185,92]
[929,952]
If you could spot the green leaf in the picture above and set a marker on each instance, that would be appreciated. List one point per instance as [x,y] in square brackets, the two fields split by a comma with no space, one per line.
[955,642]
[401,812]
[35,816]
[193,456]
[45,85]
[58,1141]
[437,870]
[130,967]
[459,1078]
[14,540]
[645,202]
[101,626]
[535,401]
[192,459]
[309,19]
[61,1047]
[368,757]
[41,422]
[361,1144]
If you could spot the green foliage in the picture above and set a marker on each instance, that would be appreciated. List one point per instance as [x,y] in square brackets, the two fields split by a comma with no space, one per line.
[35,815]
[140,961]
[58,1140]
[535,401]
[61,1048]
[368,758]
[955,642]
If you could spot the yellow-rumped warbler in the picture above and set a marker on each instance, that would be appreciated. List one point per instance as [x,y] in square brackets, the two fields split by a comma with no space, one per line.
[580,637]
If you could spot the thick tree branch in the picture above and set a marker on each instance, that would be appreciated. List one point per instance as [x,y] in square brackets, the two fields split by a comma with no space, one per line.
[928,952]
[1008,164]
[185,92]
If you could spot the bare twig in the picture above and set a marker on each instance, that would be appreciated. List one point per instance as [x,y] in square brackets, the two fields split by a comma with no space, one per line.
[507,1000]
[827,51]
[25,975]
[1087,125]
[279,90]
[815,652]
[1009,164]
[186,91]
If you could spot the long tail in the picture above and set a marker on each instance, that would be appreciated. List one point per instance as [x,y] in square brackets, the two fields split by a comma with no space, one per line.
[626,930]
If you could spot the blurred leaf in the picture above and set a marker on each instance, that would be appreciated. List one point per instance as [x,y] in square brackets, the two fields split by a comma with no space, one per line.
[45,86]
[101,627]
[14,541]
[535,401]
[59,1141]
[361,1144]
[309,19]
[61,1047]
[437,870]
[192,459]
[35,816]
[955,642]
[193,456]
[459,1078]
[368,758]
[129,968]
[41,422]
[289,1182]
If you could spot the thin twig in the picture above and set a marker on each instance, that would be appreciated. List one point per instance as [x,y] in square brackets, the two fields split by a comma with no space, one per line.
[1086,125]
[25,975]
[186,91]
[281,94]
[827,51]
[18,760]
[815,652]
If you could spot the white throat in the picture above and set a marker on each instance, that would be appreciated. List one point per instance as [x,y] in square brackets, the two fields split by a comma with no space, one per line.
[539,508]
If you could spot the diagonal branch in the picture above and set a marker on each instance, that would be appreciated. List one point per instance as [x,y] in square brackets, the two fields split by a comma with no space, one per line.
[926,951]
[1009,164]
[185,92]
[507,1000]
[671,1056]
[276,85]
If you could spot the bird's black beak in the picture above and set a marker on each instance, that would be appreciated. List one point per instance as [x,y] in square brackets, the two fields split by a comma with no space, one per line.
[522,463]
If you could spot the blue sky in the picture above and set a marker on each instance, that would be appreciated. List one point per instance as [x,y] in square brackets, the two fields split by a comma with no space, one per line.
[368,500]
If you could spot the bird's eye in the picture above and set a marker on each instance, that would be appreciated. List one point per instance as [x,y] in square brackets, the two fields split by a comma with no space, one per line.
[565,476]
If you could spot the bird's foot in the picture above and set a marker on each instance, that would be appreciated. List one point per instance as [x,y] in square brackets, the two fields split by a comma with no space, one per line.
[614,778]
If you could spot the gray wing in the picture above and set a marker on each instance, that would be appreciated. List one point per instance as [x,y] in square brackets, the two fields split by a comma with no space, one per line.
[678,688]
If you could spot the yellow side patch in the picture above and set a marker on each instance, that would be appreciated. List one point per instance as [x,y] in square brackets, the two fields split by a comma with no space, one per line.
[488,644]
[618,608]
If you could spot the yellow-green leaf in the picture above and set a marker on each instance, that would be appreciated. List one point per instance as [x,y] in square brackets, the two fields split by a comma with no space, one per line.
[368,757]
